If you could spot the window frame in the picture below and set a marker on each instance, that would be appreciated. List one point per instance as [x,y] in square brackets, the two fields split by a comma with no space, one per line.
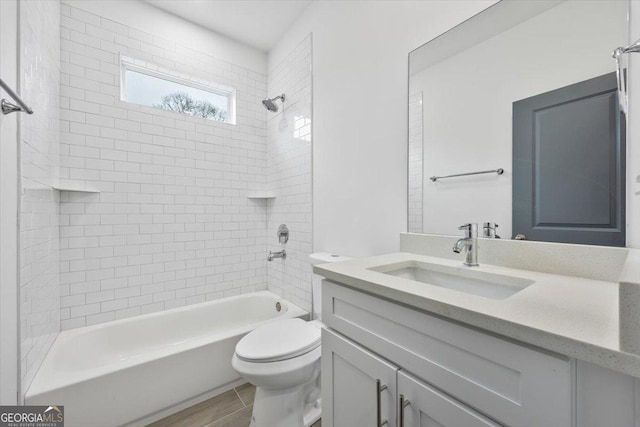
[152,70]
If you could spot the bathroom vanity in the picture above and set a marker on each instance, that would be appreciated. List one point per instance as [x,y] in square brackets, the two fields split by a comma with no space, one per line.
[531,337]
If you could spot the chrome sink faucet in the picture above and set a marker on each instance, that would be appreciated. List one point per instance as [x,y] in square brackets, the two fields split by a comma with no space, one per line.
[469,243]
[489,230]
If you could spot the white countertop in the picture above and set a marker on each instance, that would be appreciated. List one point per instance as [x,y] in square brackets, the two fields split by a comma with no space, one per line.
[574,316]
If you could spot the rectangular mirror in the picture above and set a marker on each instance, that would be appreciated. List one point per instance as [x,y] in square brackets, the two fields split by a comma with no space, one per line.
[520,104]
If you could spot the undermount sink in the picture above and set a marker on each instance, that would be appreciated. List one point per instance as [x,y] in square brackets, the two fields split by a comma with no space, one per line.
[463,279]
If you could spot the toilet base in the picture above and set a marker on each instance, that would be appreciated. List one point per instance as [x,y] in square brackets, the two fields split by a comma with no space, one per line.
[312,414]
[298,406]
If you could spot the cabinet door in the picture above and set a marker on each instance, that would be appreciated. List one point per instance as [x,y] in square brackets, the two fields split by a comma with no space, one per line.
[427,407]
[350,390]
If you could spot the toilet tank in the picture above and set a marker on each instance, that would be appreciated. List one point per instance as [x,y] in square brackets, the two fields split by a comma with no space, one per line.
[316,286]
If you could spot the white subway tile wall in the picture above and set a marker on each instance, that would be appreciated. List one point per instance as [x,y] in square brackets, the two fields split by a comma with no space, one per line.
[39,150]
[289,175]
[172,224]
[415,163]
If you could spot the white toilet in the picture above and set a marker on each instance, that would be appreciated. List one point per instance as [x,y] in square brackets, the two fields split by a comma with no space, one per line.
[282,359]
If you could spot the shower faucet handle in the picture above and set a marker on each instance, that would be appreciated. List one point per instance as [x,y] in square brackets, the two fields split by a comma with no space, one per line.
[283,233]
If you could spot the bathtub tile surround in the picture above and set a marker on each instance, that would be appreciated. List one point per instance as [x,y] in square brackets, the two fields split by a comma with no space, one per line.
[289,176]
[39,147]
[172,224]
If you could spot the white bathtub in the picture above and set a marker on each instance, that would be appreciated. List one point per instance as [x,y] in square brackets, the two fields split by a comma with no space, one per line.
[118,372]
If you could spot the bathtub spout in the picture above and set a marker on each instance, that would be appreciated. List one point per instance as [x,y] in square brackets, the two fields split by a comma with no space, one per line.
[280,254]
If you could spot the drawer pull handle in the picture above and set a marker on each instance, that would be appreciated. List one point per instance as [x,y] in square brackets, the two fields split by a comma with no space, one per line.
[379,389]
[403,403]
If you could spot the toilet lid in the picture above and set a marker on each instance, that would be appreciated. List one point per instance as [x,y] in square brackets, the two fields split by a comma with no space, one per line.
[278,340]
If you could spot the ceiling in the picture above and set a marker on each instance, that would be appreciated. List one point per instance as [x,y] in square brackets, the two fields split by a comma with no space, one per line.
[257,23]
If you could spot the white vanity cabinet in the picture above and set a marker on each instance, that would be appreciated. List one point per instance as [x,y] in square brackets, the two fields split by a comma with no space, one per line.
[452,375]
[365,390]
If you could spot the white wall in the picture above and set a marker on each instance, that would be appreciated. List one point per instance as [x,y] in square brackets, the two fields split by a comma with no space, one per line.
[149,19]
[360,52]
[40,145]
[289,176]
[172,224]
[468,104]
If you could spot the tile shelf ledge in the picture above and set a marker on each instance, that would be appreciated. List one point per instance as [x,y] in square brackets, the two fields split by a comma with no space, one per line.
[261,195]
[76,187]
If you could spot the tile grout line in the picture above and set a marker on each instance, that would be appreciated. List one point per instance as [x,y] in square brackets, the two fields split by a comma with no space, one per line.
[225,416]
[239,397]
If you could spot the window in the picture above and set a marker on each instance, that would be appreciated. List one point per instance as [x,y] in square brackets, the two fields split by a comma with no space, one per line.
[147,84]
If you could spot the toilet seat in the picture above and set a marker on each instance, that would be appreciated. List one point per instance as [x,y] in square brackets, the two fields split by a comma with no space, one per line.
[279,340]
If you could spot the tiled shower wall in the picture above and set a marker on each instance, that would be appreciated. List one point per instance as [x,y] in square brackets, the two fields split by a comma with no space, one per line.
[289,176]
[415,163]
[40,138]
[172,224]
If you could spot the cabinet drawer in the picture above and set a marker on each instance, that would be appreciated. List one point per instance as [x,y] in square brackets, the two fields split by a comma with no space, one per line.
[429,407]
[511,383]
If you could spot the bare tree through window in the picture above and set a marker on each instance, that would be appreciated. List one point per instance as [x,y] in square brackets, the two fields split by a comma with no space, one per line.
[182,102]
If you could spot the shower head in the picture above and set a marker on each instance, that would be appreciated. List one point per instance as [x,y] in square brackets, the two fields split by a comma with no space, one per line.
[270,104]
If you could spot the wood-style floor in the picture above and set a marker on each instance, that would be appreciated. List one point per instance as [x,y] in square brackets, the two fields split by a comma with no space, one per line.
[230,409]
